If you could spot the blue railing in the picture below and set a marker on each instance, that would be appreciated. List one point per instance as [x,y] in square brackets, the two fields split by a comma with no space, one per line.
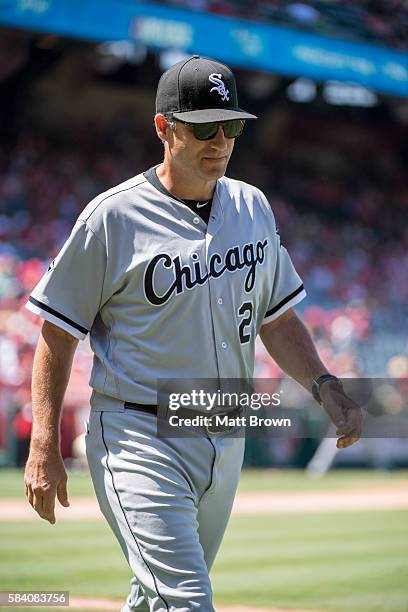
[240,43]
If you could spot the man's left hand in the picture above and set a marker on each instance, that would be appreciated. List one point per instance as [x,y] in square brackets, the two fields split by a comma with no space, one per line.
[343,411]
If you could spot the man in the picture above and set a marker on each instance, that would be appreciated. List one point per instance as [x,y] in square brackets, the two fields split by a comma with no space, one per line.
[173,273]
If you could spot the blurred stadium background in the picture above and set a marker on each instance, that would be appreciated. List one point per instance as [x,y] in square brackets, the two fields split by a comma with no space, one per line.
[329,81]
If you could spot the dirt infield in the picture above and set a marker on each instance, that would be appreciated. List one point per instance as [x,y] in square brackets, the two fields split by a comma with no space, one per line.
[394,496]
[114,605]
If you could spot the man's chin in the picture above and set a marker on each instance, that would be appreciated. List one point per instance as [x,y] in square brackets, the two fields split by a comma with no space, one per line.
[215,171]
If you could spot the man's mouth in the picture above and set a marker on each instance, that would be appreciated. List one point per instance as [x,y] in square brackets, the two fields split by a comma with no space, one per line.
[215,158]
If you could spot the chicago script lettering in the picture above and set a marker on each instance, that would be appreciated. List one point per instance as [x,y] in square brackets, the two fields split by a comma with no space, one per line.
[187,277]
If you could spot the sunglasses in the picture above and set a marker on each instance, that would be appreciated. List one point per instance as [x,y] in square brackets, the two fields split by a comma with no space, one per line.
[206,131]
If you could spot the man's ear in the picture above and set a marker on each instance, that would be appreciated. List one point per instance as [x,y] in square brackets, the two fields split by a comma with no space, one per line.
[162,127]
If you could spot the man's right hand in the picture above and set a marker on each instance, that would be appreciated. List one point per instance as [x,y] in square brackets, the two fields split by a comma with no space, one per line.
[45,478]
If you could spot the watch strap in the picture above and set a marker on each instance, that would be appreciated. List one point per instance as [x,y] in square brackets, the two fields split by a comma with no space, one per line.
[317,383]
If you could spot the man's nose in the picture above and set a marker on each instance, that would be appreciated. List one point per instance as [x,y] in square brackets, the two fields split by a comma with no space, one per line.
[219,140]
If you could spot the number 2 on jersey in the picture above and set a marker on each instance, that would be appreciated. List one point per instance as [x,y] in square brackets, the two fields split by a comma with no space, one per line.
[246,310]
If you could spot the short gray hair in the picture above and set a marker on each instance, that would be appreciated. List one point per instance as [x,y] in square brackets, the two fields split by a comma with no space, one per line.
[170,120]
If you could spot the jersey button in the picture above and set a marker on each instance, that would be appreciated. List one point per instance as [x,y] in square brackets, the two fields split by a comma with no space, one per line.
[196,220]
[224,345]
[220,301]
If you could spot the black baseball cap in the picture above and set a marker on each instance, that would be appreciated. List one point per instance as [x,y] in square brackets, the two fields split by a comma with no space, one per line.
[199,90]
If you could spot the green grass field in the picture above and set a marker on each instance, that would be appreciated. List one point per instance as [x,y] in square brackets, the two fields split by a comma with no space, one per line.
[354,562]
[79,484]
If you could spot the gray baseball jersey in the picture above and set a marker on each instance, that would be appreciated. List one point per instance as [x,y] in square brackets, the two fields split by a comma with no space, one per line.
[165,295]
[152,284]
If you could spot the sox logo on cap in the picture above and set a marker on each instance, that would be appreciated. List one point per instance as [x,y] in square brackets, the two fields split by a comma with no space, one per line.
[220,86]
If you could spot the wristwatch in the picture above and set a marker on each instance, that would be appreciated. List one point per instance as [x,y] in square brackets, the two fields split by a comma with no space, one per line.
[317,383]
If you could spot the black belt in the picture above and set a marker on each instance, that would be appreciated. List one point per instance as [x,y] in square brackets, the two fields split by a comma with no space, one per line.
[186,412]
[150,408]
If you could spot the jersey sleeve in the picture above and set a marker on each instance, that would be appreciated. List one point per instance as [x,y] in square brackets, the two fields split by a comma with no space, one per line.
[288,287]
[70,293]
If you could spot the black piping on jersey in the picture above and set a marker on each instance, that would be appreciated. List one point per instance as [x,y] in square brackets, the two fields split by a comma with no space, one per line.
[126,519]
[107,198]
[284,301]
[212,469]
[151,176]
[60,316]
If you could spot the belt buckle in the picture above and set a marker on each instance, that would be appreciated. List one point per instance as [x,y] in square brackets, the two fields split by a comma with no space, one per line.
[220,429]
[213,431]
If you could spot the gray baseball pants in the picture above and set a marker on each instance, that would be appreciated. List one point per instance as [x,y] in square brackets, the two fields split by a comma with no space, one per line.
[167,501]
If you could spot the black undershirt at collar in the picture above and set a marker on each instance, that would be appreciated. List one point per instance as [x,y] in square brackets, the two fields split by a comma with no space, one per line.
[201,207]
